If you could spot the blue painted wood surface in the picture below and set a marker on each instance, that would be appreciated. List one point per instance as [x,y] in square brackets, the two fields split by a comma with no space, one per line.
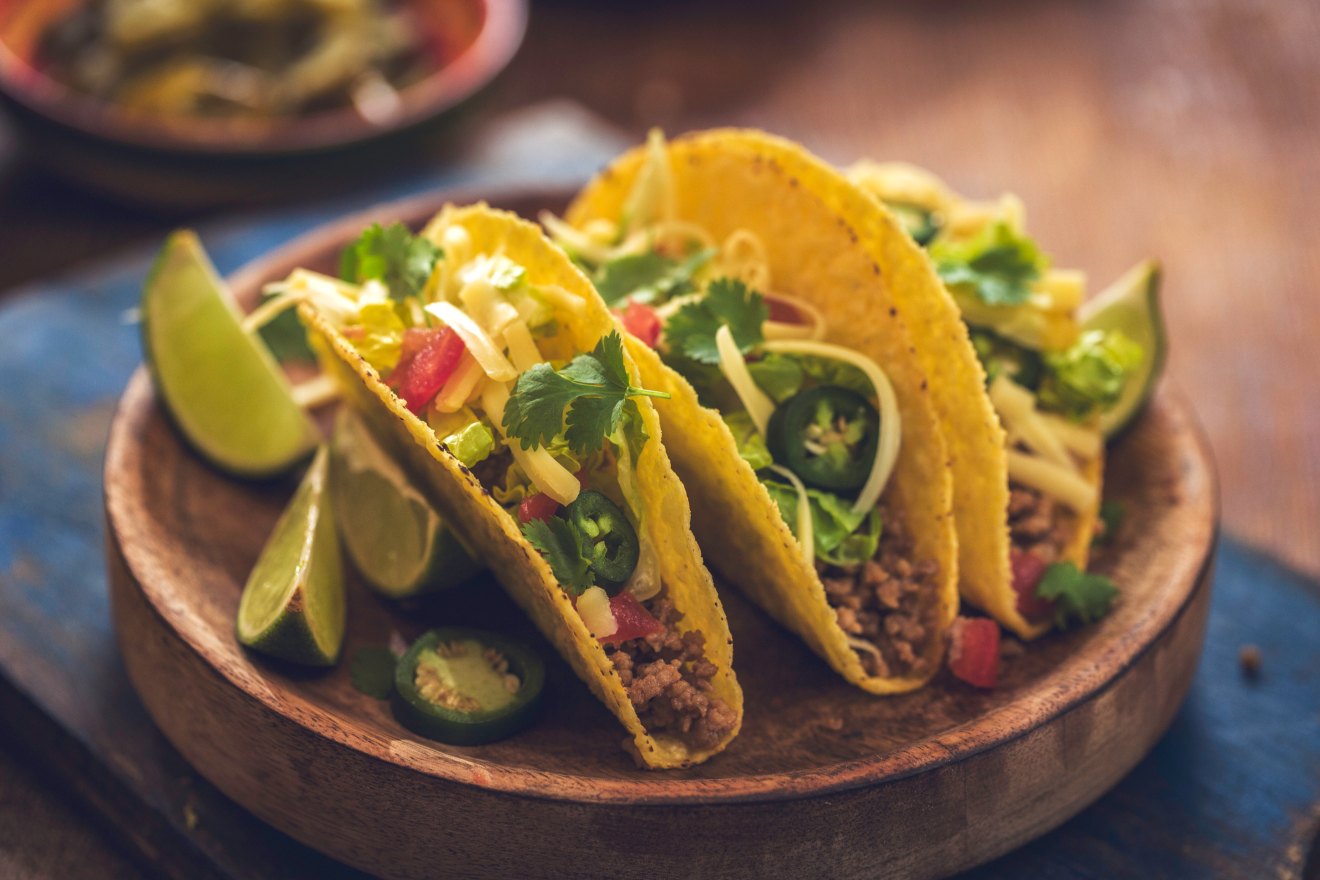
[1232,791]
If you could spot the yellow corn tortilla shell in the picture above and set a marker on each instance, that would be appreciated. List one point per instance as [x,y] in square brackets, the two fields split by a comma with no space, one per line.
[801,209]
[495,537]
[977,442]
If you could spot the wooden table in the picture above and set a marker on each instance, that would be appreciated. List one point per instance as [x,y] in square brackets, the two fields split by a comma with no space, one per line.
[1178,129]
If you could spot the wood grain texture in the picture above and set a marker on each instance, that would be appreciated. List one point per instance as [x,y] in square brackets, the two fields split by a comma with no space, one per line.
[952,776]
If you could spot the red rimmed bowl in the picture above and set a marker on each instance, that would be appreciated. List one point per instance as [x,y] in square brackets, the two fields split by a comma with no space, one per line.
[187,161]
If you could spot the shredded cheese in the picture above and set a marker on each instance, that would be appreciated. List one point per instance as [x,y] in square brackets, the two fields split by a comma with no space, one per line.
[560,298]
[593,607]
[805,529]
[316,392]
[759,406]
[271,309]
[548,475]
[891,421]
[459,386]
[522,348]
[337,300]
[1081,440]
[1062,484]
[478,342]
[487,306]
[1017,409]
[862,645]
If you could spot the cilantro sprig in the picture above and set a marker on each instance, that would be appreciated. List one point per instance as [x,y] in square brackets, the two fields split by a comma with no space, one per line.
[691,330]
[649,277]
[1078,597]
[997,265]
[565,549]
[392,255]
[589,399]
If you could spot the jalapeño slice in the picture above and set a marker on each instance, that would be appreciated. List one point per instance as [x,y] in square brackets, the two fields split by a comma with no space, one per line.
[467,686]
[609,540]
[827,435]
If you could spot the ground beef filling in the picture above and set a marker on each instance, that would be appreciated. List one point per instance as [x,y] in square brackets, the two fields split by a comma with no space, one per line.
[1038,524]
[882,603]
[669,681]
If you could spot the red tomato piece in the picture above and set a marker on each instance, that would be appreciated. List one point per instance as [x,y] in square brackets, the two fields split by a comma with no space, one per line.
[634,620]
[427,359]
[783,311]
[1028,569]
[974,651]
[641,321]
[538,506]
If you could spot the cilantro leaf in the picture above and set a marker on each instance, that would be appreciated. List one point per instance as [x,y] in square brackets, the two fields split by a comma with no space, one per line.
[1112,514]
[562,548]
[1077,596]
[648,277]
[594,389]
[691,330]
[392,255]
[997,264]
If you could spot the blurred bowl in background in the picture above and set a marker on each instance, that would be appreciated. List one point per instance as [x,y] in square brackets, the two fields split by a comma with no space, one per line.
[187,160]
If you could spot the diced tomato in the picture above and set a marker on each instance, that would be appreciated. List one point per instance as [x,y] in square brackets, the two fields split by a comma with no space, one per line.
[428,357]
[633,620]
[538,506]
[641,321]
[783,311]
[1028,569]
[974,651]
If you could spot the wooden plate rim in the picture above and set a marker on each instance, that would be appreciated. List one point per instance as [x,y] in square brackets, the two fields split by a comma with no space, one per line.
[1086,674]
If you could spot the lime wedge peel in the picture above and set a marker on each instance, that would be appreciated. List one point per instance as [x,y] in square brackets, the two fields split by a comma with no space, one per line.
[223,389]
[293,605]
[399,543]
[1131,304]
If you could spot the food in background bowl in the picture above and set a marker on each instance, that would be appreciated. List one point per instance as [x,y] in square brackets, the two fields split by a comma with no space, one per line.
[249,59]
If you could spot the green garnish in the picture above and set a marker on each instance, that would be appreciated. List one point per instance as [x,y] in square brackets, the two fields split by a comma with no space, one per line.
[751,445]
[381,342]
[691,330]
[778,375]
[594,389]
[1090,376]
[564,549]
[1077,596]
[1112,514]
[392,255]
[372,671]
[841,537]
[285,335]
[649,277]
[997,264]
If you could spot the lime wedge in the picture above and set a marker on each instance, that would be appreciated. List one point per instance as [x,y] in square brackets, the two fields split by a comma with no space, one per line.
[396,539]
[293,604]
[1131,304]
[223,389]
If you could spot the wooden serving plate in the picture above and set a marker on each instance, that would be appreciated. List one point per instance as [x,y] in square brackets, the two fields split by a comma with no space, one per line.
[823,781]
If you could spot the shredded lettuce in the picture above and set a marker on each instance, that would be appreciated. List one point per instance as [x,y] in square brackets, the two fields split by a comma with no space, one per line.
[1089,377]
[751,445]
[997,265]
[464,434]
[382,335]
[842,537]
[1002,356]
[778,375]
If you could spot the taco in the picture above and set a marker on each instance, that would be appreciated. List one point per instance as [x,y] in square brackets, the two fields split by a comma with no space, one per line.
[798,417]
[1028,512]
[485,362]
